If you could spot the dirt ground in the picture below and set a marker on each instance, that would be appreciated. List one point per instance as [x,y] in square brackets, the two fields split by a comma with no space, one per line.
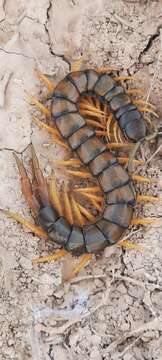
[113,309]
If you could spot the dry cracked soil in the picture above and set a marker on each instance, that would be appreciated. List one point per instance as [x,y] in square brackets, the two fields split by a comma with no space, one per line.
[113,309]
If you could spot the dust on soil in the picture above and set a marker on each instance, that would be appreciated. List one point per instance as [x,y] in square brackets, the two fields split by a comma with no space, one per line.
[114,310]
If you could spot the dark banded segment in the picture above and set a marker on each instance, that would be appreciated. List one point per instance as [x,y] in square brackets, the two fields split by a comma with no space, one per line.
[119,214]
[79,79]
[123,195]
[124,109]
[119,101]
[112,178]
[65,89]
[136,130]
[47,217]
[111,231]
[104,84]
[68,124]
[92,78]
[80,137]
[101,162]
[95,241]
[60,231]
[90,149]
[62,106]
[75,243]
[114,92]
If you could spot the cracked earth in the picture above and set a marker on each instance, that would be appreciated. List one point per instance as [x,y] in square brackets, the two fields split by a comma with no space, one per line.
[113,309]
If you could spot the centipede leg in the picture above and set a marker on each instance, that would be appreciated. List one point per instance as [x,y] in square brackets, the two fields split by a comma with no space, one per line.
[128,245]
[145,221]
[83,261]
[32,227]
[104,69]
[52,131]
[57,255]
[147,198]
[39,105]
[77,64]
[50,86]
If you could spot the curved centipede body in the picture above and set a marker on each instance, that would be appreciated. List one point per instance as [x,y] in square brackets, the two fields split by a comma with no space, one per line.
[114,180]
[71,128]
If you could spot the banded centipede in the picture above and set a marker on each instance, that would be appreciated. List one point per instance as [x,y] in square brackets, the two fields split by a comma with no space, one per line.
[115,182]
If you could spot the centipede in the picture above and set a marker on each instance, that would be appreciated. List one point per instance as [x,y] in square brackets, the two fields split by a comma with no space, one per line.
[115,183]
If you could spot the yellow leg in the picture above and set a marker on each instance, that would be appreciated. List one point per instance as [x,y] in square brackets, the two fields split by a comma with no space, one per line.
[146,221]
[101,133]
[143,179]
[27,188]
[96,200]
[86,213]
[95,123]
[35,229]
[119,145]
[78,216]
[72,162]
[52,131]
[93,189]
[104,69]
[84,260]
[81,174]
[50,86]
[115,132]
[125,160]
[120,78]
[129,245]
[59,254]
[77,64]
[147,198]
[67,205]
[109,120]
[54,197]
[39,105]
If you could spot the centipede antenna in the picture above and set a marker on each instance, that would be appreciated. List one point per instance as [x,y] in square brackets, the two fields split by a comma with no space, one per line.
[83,261]
[71,162]
[144,109]
[27,188]
[81,174]
[148,198]
[54,197]
[50,86]
[39,105]
[67,205]
[129,245]
[142,102]
[34,229]
[143,179]
[57,255]
[135,91]
[77,214]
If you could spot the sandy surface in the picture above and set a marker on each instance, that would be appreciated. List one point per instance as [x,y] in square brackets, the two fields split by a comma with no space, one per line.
[114,310]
